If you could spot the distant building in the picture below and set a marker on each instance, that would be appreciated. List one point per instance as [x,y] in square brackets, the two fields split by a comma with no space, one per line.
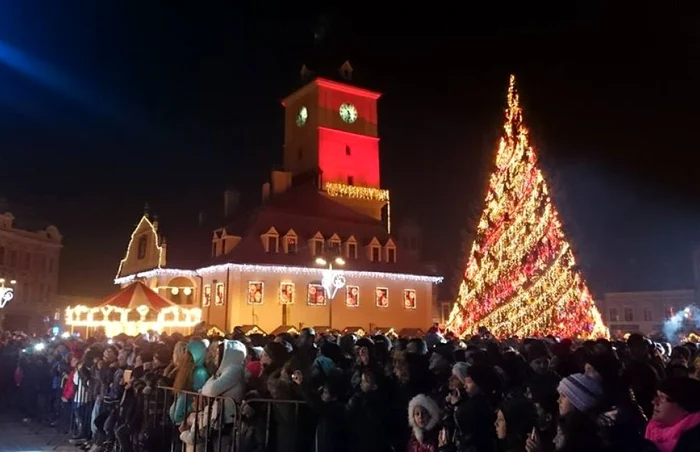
[30,258]
[326,204]
[642,312]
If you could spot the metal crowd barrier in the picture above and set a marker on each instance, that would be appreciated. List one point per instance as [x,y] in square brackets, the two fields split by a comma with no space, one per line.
[144,424]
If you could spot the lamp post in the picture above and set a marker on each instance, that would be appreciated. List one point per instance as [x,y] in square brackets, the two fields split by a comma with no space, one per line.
[332,281]
[6,293]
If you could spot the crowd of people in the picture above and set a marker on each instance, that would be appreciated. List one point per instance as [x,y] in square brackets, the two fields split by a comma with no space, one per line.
[325,392]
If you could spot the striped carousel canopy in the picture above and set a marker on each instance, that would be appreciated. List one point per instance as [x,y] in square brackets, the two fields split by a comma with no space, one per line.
[134,295]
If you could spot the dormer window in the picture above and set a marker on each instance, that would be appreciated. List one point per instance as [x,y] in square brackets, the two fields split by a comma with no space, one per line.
[390,251]
[291,242]
[334,245]
[272,243]
[141,252]
[348,151]
[351,248]
[351,180]
[291,245]
[317,245]
[271,240]
[376,253]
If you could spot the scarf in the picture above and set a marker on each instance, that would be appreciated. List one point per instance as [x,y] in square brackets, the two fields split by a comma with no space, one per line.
[666,438]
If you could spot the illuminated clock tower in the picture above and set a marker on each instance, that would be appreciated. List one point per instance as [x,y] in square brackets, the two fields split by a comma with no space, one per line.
[331,127]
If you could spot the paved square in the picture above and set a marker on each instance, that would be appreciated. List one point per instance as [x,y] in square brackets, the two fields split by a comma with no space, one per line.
[16,436]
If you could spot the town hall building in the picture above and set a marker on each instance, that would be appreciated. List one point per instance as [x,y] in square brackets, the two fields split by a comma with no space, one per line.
[320,249]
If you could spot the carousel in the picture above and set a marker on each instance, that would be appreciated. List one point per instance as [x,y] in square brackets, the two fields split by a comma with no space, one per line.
[135,309]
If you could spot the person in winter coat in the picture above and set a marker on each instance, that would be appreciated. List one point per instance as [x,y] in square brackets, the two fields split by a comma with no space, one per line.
[473,412]
[515,420]
[423,417]
[191,376]
[229,379]
[331,435]
[366,413]
[579,395]
[675,423]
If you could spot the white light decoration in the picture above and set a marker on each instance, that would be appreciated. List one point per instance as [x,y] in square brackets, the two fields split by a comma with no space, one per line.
[332,281]
[170,317]
[250,268]
[175,290]
[169,272]
[6,295]
[131,241]
[280,269]
[187,291]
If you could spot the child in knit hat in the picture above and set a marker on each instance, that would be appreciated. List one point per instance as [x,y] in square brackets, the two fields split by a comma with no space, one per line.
[578,392]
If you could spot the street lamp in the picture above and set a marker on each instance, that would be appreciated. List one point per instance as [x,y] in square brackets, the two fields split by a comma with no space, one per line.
[331,282]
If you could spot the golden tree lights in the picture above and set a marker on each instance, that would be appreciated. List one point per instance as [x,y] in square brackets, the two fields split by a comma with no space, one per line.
[521,276]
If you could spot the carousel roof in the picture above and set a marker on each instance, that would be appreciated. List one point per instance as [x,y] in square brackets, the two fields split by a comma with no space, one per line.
[134,295]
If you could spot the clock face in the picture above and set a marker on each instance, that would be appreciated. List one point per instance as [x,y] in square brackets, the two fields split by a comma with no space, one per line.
[348,113]
[302,116]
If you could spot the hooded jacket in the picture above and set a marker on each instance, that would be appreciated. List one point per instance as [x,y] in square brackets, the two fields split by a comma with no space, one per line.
[229,379]
[424,434]
[179,410]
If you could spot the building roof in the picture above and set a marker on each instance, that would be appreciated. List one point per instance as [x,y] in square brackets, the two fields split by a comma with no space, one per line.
[135,295]
[305,211]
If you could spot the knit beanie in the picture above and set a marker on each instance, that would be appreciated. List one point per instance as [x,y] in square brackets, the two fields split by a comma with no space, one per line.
[254,368]
[684,391]
[459,370]
[581,390]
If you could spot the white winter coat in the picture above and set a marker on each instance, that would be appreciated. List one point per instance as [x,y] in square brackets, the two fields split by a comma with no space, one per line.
[229,379]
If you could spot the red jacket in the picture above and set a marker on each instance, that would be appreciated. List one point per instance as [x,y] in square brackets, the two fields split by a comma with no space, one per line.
[69,387]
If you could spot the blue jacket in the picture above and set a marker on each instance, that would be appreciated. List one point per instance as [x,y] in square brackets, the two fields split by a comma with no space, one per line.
[182,407]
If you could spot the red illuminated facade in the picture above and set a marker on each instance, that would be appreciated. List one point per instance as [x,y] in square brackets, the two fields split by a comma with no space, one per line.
[332,127]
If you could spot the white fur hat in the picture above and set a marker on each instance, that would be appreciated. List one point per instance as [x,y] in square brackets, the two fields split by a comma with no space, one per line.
[431,407]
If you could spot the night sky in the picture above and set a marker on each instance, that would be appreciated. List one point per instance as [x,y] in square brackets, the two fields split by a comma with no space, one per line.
[104,108]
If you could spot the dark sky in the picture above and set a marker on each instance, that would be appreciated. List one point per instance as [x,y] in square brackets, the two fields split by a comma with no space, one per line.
[104,108]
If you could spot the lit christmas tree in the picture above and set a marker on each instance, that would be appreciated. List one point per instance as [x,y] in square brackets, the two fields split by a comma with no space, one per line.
[521,276]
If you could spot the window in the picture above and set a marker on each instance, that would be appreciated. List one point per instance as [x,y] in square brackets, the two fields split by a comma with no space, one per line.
[51,265]
[13,258]
[318,248]
[348,151]
[613,315]
[376,254]
[351,180]
[25,292]
[391,255]
[291,245]
[334,247]
[143,241]
[413,243]
[629,315]
[352,250]
[272,242]
[2,255]
[647,315]
[27,261]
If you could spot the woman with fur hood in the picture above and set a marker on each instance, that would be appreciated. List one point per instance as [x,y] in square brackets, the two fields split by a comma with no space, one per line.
[423,417]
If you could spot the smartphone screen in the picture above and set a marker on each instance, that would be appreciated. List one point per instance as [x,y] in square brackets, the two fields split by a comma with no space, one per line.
[127,376]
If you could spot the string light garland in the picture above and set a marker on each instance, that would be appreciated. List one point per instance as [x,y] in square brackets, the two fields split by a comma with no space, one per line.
[278,269]
[335,189]
[131,242]
[355,192]
[521,276]
[117,320]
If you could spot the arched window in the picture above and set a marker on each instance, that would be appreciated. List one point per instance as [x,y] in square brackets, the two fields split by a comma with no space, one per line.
[142,247]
